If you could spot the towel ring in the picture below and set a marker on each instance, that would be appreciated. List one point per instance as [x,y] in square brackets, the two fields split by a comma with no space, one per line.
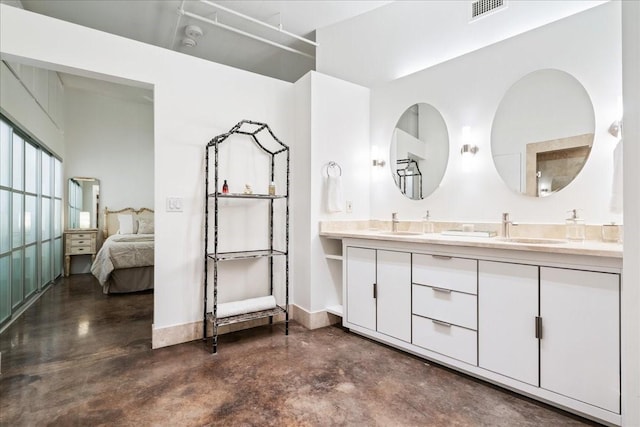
[332,166]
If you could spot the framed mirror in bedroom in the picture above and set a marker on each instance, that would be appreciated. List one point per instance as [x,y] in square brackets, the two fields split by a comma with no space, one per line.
[83,203]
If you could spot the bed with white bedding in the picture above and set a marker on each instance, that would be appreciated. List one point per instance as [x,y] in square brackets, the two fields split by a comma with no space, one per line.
[125,261]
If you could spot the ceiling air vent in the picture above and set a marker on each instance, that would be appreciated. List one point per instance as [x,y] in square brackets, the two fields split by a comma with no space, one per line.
[481,8]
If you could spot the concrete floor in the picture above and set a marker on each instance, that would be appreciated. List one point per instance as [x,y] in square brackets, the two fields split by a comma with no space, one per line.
[81,358]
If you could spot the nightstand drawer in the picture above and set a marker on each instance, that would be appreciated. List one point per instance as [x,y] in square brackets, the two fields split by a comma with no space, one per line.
[81,236]
[83,242]
[79,250]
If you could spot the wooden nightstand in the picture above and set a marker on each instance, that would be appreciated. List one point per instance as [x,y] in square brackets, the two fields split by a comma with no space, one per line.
[79,242]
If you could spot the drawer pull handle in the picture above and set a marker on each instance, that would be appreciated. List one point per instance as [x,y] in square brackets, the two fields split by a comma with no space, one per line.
[441,256]
[441,323]
[444,291]
[80,241]
[375,290]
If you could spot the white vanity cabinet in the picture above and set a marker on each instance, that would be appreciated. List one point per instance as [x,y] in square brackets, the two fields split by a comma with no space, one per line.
[555,328]
[541,323]
[361,279]
[580,342]
[508,308]
[378,295]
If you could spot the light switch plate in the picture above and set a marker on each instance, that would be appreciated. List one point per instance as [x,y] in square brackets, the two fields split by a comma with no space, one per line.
[174,204]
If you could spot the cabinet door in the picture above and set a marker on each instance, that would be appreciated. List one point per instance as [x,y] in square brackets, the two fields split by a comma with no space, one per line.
[361,277]
[507,310]
[580,345]
[394,294]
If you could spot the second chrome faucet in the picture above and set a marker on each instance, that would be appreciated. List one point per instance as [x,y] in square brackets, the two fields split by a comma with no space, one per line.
[506,223]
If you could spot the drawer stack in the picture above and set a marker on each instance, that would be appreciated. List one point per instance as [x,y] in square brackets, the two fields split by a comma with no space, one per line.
[445,306]
[80,243]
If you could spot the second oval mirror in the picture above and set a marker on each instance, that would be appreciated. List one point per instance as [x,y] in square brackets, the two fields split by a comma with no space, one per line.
[542,132]
[419,151]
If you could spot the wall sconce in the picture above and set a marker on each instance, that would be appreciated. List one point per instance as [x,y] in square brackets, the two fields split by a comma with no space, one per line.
[85,220]
[468,149]
[377,158]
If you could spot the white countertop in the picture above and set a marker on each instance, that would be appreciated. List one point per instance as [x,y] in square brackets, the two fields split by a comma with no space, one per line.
[587,247]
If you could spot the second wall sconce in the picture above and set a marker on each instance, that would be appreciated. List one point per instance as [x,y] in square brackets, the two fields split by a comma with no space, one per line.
[468,149]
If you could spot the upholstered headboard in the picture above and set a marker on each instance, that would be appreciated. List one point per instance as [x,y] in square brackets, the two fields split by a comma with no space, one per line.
[111,225]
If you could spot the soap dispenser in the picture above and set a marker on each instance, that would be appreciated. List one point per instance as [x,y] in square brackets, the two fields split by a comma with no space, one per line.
[575,228]
[427,225]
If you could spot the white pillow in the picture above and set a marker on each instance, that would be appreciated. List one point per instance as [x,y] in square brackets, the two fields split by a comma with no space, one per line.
[145,226]
[126,224]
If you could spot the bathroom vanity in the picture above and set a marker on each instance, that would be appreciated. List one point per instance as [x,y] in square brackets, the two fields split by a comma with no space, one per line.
[540,318]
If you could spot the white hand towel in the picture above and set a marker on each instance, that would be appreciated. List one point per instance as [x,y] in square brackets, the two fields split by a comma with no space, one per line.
[335,199]
[246,306]
[616,189]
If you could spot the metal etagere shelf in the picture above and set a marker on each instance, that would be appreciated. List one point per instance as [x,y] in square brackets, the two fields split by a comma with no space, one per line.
[214,257]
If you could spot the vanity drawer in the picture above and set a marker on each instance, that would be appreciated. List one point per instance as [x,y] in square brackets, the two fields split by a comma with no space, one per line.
[444,304]
[449,340]
[457,274]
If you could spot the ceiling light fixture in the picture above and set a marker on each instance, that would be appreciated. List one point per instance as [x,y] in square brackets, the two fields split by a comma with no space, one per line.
[189,42]
[193,31]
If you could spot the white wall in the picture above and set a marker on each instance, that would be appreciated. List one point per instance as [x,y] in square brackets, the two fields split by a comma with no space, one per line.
[467,91]
[407,36]
[340,133]
[111,139]
[23,101]
[631,261]
[332,118]
[194,100]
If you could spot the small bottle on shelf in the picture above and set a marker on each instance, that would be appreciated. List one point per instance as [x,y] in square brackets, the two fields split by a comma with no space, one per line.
[225,187]
[272,189]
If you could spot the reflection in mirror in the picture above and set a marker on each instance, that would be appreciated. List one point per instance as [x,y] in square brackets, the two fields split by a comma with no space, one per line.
[84,202]
[419,151]
[542,132]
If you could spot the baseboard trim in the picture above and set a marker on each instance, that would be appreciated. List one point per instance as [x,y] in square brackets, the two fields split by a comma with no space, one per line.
[313,320]
[178,334]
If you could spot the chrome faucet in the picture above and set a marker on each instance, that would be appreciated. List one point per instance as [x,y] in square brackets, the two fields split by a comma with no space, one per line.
[394,222]
[506,222]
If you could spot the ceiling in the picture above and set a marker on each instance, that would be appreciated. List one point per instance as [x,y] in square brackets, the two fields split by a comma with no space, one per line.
[159,23]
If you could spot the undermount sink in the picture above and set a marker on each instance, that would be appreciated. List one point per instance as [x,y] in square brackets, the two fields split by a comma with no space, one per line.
[401,233]
[532,240]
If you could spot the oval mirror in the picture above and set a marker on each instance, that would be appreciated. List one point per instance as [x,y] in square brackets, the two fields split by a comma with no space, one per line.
[83,202]
[542,132]
[419,151]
